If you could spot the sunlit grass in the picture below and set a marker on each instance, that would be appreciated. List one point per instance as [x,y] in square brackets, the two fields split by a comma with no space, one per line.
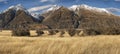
[102,44]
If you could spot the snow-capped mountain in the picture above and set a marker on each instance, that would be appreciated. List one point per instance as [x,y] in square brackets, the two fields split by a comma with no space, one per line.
[54,7]
[61,18]
[56,16]
[35,15]
[16,8]
[87,7]
[83,6]
[16,15]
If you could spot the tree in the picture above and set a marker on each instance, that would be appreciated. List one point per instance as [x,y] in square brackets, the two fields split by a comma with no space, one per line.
[21,30]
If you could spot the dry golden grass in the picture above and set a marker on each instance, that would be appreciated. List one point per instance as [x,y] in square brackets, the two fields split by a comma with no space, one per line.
[57,45]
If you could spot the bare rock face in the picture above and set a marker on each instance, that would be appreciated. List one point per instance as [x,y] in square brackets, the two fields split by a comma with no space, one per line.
[61,18]
[7,17]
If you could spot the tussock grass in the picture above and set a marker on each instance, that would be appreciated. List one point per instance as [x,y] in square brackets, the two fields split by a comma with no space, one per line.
[55,45]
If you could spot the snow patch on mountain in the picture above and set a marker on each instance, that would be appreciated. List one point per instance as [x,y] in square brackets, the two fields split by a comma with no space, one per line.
[54,7]
[87,7]
[82,6]
[16,8]
[36,15]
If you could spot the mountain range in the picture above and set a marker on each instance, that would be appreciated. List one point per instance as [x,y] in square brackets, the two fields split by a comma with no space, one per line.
[60,17]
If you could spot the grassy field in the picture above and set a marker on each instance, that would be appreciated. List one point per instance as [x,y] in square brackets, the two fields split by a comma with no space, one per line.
[102,44]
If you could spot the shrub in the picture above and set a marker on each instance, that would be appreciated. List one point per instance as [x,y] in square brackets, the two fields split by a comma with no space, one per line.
[71,32]
[56,31]
[39,32]
[103,31]
[92,32]
[111,31]
[51,32]
[61,33]
[20,32]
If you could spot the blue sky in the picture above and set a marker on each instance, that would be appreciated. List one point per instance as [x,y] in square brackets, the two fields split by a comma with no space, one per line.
[111,5]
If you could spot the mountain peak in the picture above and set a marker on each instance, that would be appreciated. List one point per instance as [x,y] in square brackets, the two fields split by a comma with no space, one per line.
[82,6]
[16,8]
[54,7]
[87,7]
[62,8]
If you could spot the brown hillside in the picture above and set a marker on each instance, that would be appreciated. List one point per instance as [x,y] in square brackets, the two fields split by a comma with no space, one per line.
[102,23]
[61,18]
[90,19]
[7,17]
[20,18]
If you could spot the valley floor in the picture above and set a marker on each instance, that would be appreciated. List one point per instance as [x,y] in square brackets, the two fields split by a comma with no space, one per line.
[102,44]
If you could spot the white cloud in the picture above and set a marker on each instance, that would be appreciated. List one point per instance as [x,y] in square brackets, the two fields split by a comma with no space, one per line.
[113,9]
[43,0]
[2,0]
[117,0]
[5,2]
[48,0]
[39,8]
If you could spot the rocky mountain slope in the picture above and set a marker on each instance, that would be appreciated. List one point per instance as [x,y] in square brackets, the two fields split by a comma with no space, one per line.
[85,17]
[15,16]
[60,17]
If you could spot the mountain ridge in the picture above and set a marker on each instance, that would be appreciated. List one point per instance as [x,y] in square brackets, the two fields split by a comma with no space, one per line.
[59,17]
[82,6]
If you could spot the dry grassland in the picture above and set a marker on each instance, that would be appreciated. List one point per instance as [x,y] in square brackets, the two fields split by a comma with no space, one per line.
[59,45]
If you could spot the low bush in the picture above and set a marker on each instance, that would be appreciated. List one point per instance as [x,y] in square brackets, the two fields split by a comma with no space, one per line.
[111,31]
[20,32]
[51,32]
[104,31]
[62,33]
[71,32]
[92,32]
[39,32]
